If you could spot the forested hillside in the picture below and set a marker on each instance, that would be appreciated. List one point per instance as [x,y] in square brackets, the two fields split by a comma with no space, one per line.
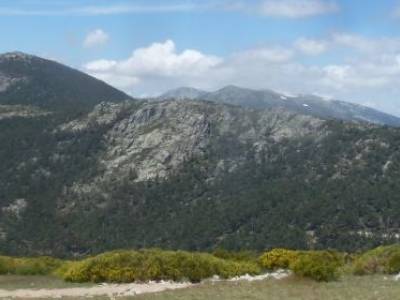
[195,176]
[184,174]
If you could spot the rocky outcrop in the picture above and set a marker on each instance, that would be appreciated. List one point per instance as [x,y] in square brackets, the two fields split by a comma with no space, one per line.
[103,114]
[6,82]
[23,111]
[152,140]
[15,208]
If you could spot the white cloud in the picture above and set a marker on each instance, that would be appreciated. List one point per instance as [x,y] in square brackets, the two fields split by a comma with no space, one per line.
[351,77]
[310,46]
[129,9]
[121,81]
[95,10]
[162,59]
[101,65]
[96,38]
[159,61]
[363,76]
[269,54]
[297,8]
[276,8]
[367,45]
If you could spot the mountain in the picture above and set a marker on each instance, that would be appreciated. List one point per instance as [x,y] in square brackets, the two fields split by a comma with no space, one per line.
[182,94]
[188,175]
[303,104]
[195,175]
[31,80]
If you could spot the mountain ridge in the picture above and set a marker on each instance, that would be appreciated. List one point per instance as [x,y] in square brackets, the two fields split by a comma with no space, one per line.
[304,104]
[195,175]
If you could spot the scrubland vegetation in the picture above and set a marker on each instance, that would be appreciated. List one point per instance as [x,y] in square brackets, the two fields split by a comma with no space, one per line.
[382,260]
[144,265]
[29,266]
[129,266]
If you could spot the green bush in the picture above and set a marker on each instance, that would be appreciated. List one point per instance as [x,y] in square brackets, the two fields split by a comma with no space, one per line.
[144,265]
[318,265]
[247,256]
[28,266]
[393,264]
[3,266]
[278,259]
[36,266]
[384,259]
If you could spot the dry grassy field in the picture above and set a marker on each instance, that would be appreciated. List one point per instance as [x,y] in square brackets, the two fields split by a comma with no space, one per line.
[376,287]
[348,288]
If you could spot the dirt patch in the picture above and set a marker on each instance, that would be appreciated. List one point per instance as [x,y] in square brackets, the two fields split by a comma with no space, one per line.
[110,290]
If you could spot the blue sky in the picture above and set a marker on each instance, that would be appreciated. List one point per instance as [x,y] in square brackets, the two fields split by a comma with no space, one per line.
[334,48]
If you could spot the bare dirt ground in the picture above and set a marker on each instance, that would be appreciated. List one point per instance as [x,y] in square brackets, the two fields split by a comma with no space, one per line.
[110,290]
[273,286]
[17,287]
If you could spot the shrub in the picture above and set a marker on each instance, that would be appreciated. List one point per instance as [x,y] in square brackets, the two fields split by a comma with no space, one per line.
[278,259]
[36,266]
[318,265]
[129,266]
[393,264]
[3,266]
[384,259]
[28,266]
[248,256]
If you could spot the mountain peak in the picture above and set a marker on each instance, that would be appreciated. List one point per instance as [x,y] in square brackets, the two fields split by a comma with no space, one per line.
[183,93]
[233,88]
[16,55]
[187,89]
[30,80]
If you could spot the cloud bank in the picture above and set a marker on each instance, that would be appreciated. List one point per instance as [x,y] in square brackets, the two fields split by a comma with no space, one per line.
[297,8]
[370,71]
[273,8]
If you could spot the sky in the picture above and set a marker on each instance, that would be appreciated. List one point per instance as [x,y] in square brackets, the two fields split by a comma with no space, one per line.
[337,49]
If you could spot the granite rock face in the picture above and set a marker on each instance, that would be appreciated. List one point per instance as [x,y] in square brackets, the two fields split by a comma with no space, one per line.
[152,140]
[155,138]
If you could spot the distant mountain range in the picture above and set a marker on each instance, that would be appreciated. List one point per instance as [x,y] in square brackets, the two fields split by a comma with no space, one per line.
[303,104]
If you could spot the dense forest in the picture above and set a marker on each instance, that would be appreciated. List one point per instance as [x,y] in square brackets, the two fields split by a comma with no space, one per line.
[300,194]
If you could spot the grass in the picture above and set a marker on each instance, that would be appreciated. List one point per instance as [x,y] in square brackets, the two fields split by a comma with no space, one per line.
[349,287]
[14,282]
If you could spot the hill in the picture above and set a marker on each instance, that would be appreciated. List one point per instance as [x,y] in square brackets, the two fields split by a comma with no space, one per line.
[31,80]
[193,175]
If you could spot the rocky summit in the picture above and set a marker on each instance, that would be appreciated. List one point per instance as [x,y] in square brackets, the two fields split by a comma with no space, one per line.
[190,174]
